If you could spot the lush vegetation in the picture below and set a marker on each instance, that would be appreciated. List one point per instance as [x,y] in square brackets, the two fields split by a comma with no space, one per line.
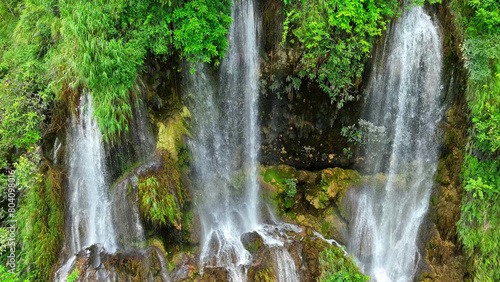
[479,225]
[158,205]
[53,51]
[288,194]
[41,223]
[336,267]
[202,28]
[160,196]
[337,37]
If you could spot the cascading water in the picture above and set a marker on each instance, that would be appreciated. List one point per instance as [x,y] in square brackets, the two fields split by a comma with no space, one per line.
[103,227]
[89,209]
[89,206]
[404,96]
[225,149]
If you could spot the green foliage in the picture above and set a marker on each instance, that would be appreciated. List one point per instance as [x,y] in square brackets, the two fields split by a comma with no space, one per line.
[289,191]
[479,224]
[201,29]
[61,48]
[478,227]
[5,275]
[336,267]
[265,275]
[41,222]
[24,95]
[487,130]
[104,44]
[364,133]
[291,187]
[337,39]
[74,275]
[4,239]
[161,196]
[158,207]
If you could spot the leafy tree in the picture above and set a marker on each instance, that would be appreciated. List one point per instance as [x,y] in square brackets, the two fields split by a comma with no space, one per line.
[201,29]
[337,37]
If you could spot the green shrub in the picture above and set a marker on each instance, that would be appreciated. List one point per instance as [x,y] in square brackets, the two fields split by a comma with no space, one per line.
[479,224]
[41,221]
[158,205]
[161,196]
[61,48]
[289,191]
[74,275]
[478,227]
[104,44]
[5,275]
[201,29]
[336,267]
[337,38]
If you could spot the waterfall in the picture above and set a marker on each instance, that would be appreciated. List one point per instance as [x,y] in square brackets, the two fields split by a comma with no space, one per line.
[89,208]
[88,219]
[286,266]
[404,96]
[225,149]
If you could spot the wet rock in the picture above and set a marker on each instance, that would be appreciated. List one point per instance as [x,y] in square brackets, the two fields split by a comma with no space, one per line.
[318,197]
[252,241]
[95,264]
[334,225]
[214,274]
[125,210]
[171,132]
[263,267]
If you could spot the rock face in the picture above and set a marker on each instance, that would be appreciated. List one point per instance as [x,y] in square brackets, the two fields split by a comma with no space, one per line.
[302,243]
[300,125]
[125,209]
[319,198]
[444,260]
[94,264]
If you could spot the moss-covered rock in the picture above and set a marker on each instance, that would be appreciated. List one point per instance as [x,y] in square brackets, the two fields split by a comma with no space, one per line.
[93,264]
[444,260]
[319,198]
[215,274]
[252,241]
[171,132]
[261,275]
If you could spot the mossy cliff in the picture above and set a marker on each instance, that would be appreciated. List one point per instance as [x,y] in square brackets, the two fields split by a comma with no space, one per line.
[313,199]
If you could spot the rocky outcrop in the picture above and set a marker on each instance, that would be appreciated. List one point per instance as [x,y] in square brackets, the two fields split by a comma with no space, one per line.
[319,198]
[94,264]
[300,125]
[444,259]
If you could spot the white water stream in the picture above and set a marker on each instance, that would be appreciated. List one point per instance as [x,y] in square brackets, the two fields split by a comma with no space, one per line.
[225,148]
[404,96]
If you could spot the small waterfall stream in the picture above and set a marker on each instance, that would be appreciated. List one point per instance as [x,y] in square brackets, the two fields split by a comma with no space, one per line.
[89,206]
[101,224]
[404,96]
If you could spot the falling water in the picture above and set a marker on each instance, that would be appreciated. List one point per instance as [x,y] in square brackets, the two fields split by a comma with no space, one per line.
[89,205]
[89,219]
[225,148]
[404,96]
